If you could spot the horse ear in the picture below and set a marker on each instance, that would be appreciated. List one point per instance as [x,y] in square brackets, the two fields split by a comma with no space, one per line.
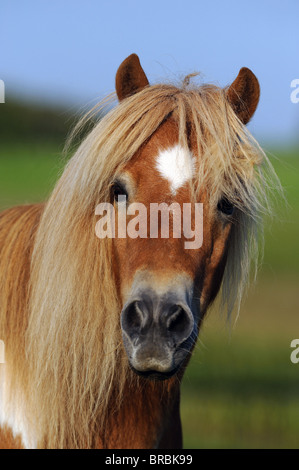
[130,77]
[243,95]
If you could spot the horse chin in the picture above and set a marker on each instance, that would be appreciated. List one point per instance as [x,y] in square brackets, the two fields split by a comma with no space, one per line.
[155,375]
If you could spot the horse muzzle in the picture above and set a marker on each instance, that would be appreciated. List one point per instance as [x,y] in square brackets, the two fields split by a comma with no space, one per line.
[157,332]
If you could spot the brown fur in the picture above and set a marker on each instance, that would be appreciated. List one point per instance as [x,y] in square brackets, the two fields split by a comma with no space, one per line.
[8,441]
[201,263]
[17,230]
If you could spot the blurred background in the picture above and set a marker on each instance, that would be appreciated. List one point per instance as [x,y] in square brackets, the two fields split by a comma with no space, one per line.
[58,59]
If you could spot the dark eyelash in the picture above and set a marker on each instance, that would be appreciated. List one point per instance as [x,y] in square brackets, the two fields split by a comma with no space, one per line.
[225,206]
[118,190]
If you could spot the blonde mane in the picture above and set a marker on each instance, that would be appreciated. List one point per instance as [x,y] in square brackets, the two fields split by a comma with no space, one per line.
[73,341]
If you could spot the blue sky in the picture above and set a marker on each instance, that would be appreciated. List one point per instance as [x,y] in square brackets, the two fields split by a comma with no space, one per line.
[68,51]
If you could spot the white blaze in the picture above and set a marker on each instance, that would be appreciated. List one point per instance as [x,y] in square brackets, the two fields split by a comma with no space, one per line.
[176,164]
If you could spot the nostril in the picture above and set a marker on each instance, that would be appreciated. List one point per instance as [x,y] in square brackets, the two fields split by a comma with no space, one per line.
[133,318]
[175,318]
[179,322]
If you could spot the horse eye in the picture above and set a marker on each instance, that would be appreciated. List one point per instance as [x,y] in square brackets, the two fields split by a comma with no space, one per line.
[118,191]
[225,206]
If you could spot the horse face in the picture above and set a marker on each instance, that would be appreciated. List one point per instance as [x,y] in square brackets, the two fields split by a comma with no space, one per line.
[165,288]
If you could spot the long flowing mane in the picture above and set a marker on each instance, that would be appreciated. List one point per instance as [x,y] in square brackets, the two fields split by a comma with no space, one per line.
[75,358]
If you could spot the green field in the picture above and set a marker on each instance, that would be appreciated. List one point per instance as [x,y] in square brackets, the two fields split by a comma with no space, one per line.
[241,389]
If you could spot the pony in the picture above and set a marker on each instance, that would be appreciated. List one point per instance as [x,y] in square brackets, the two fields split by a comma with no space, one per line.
[98,332]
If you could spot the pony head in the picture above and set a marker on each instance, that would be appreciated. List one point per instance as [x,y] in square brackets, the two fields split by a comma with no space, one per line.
[196,155]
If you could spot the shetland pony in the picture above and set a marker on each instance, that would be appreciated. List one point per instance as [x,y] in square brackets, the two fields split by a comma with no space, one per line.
[98,332]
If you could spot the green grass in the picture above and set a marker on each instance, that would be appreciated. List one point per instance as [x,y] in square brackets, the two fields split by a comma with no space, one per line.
[281,252]
[232,421]
[241,389]
[28,172]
